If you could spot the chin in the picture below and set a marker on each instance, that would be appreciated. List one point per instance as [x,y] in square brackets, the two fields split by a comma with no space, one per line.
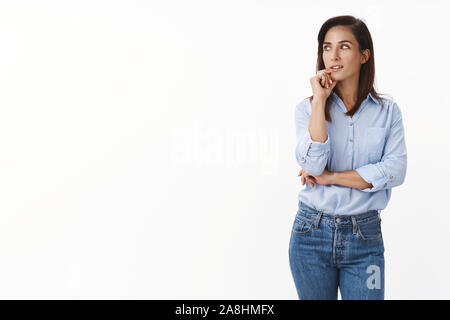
[340,77]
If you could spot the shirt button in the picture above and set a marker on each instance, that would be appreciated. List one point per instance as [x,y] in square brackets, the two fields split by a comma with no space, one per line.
[351,140]
[390,177]
[351,123]
[303,158]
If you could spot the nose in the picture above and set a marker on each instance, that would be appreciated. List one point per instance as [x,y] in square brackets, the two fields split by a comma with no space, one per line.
[334,55]
[335,58]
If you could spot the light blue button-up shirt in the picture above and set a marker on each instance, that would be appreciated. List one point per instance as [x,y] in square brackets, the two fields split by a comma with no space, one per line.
[372,142]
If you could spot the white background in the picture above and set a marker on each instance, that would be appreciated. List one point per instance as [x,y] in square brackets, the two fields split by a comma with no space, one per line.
[147,147]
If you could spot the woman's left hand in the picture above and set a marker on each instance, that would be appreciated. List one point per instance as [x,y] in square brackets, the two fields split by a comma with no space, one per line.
[325,178]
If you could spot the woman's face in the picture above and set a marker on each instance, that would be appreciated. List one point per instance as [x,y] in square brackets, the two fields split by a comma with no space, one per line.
[346,54]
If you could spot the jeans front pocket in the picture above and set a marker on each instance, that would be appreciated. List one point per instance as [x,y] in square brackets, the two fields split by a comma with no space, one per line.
[370,230]
[374,139]
[302,225]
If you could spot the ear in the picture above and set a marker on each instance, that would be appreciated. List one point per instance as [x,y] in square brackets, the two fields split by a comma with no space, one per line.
[366,56]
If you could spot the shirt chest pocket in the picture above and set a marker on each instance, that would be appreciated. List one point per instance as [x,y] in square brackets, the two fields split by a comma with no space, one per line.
[374,139]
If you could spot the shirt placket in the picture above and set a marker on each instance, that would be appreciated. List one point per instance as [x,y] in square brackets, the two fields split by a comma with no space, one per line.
[351,135]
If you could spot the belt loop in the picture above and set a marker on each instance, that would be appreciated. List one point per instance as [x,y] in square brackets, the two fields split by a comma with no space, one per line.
[317,220]
[354,224]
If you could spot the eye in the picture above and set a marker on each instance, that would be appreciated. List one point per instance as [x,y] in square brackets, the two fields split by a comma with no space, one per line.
[344,45]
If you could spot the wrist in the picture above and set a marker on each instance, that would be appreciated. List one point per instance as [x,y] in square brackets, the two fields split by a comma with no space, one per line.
[321,101]
[334,177]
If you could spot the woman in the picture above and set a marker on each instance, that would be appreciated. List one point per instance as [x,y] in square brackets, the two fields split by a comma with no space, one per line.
[351,147]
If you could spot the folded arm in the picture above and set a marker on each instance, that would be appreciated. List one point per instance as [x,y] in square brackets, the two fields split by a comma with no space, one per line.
[387,173]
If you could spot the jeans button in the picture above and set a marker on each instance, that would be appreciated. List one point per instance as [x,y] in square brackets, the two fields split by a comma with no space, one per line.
[338,220]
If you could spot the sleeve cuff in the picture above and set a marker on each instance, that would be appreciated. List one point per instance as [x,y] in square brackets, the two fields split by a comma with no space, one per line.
[374,174]
[314,148]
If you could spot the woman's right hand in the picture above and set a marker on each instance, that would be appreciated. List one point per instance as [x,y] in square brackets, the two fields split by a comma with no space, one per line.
[322,84]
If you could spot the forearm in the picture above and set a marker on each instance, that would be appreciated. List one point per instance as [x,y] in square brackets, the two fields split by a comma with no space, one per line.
[350,178]
[317,125]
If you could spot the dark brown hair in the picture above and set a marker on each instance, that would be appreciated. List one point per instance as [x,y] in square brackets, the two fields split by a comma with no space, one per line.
[367,72]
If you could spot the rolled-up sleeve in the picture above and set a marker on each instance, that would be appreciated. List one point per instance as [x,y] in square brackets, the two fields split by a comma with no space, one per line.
[311,155]
[391,170]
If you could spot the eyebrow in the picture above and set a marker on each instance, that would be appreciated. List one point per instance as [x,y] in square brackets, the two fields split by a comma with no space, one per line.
[338,42]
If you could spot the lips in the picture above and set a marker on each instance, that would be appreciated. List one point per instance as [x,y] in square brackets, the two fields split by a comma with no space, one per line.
[337,69]
[336,65]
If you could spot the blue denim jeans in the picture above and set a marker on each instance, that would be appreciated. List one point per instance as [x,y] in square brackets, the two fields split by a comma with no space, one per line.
[327,252]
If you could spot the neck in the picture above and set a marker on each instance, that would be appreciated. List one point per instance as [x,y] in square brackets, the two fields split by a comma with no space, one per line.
[347,90]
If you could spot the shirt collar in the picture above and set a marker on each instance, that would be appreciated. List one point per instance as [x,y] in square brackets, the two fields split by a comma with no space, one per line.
[369,96]
[373,98]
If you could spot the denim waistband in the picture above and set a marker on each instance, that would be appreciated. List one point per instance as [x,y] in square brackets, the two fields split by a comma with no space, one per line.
[344,219]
